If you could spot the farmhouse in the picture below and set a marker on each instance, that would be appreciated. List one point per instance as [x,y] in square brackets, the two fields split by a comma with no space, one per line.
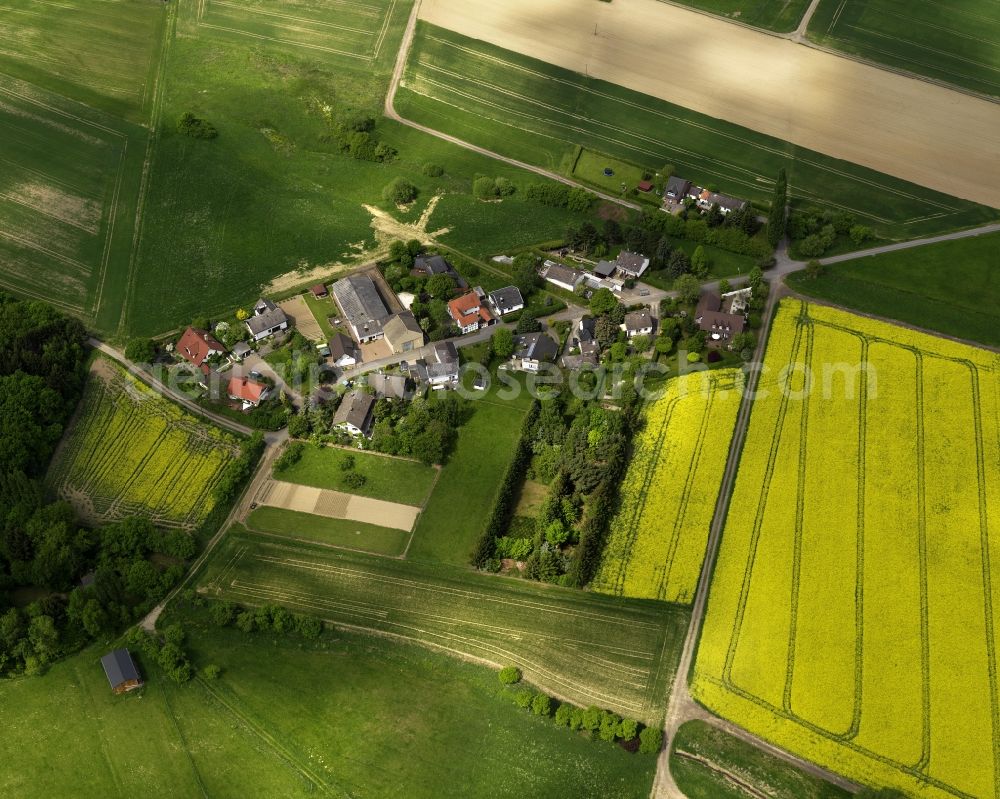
[197,346]
[716,317]
[344,351]
[561,276]
[532,350]
[362,306]
[469,312]
[431,265]
[632,264]
[638,323]
[249,392]
[402,332]
[354,414]
[121,672]
[267,320]
[506,300]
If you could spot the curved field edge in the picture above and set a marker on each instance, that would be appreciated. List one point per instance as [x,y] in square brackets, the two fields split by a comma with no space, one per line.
[851,633]
[659,535]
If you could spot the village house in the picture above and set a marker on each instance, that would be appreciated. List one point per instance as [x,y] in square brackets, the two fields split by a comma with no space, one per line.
[440,368]
[267,320]
[403,333]
[532,350]
[121,671]
[469,312]
[561,276]
[354,414]
[344,351]
[676,189]
[388,386]
[506,300]
[638,323]
[197,346]
[716,317]
[632,264]
[361,306]
[250,392]
[431,265]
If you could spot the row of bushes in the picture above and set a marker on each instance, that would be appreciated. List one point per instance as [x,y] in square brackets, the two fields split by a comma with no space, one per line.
[239,470]
[503,505]
[266,618]
[599,723]
[559,195]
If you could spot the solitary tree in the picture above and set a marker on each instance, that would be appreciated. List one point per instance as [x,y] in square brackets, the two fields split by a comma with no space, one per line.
[140,350]
[688,289]
[503,343]
[400,192]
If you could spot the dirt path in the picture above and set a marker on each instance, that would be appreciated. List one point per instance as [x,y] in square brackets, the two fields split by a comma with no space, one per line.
[835,105]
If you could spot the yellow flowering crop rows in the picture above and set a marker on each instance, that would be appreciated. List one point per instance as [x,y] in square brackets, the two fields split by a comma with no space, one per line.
[668,496]
[131,452]
[854,615]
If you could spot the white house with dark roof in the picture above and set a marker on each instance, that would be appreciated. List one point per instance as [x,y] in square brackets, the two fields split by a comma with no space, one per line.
[532,350]
[632,264]
[562,276]
[506,300]
[354,414]
[638,323]
[267,320]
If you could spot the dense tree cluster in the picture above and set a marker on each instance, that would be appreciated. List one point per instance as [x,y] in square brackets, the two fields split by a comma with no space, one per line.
[266,618]
[355,137]
[420,429]
[196,128]
[559,195]
[814,231]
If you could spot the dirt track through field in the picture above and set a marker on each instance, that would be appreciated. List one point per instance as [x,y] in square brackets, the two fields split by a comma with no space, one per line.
[917,131]
[336,505]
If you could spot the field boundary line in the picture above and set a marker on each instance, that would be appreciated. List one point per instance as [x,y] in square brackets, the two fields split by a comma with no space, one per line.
[253,10]
[383,31]
[183,739]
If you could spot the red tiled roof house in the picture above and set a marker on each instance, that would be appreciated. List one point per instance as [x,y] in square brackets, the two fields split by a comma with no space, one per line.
[469,312]
[249,392]
[197,346]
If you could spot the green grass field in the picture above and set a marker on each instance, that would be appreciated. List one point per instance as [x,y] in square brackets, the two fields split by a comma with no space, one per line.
[326,530]
[69,177]
[708,763]
[590,166]
[587,648]
[456,514]
[957,42]
[774,15]
[392,479]
[540,113]
[951,287]
[104,54]
[346,715]
[129,451]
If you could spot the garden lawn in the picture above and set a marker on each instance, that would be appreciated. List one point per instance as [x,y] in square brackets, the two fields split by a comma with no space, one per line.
[703,755]
[326,530]
[392,479]
[538,113]
[457,511]
[852,611]
[952,287]
[954,42]
[588,648]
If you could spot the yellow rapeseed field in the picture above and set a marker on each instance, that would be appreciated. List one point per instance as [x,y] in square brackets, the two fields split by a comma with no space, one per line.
[668,496]
[131,452]
[854,606]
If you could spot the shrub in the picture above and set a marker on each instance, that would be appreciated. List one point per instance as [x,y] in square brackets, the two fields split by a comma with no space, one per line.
[591,718]
[650,740]
[192,126]
[485,188]
[541,705]
[564,713]
[246,621]
[348,463]
[400,191]
[291,456]
[432,170]
[576,718]
[354,479]
[523,699]
[140,350]
[509,675]
[223,613]
[309,627]
[211,672]
[628,729]
[608,729]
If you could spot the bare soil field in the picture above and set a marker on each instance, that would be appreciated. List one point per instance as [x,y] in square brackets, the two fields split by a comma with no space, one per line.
[901,126]
[304,320]
[337,505]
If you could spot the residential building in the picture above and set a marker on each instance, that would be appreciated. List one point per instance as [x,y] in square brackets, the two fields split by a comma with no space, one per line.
[469,312]
[638,323]
[403,333]
[506,300]
[121,671]
[716,318]
[354,414]
[362,306]
[585,328]
[344,351]
[632,264]
[267,320]
[388,386]
[197,346]
[431,265]
[589,355]
[705,199]
[250,392]
[442,367]
[676,189]
[562,276]
[532,350]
